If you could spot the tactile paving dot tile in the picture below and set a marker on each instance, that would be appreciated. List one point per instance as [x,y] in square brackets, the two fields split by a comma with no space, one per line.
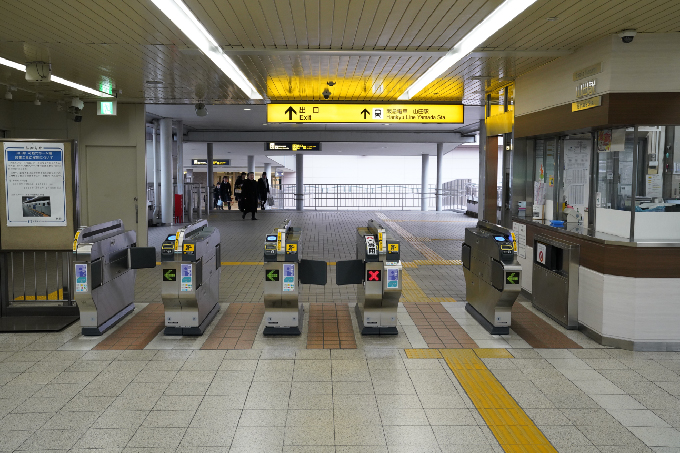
[422,353]
[493,353]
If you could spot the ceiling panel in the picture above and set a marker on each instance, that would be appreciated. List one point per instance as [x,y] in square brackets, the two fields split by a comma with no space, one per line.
[127,43]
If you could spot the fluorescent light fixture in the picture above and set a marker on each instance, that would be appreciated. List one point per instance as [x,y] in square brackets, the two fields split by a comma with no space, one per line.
[11,64]
[80,87]
[184,19]
[77,86]
[501,16]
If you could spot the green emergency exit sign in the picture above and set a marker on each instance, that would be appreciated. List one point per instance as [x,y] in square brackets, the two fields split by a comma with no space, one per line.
[108,108]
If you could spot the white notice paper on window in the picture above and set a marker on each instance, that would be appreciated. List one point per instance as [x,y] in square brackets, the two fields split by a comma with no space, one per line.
[35,187]
[654,186]
[520,231]
[576,172]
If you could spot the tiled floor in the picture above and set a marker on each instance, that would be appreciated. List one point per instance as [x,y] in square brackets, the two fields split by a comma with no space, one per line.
[438,327]
[64,392]
[237,328]
[330,327]
[138,331]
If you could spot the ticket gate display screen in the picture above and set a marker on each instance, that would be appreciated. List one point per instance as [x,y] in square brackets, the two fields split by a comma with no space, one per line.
[373,276]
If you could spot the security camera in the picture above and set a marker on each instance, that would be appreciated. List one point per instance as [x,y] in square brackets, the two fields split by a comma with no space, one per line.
[326,93]
[627,36]
[77,103]
[201,110]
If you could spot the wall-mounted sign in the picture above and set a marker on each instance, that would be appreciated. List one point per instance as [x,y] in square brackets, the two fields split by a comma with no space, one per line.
[35,187]
[588,72]
[585,89]
[586,104]
[107,108]
[292,146]
[221,163]
[364,113]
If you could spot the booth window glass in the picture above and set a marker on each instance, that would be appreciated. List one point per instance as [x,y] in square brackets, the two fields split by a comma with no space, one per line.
[615,169]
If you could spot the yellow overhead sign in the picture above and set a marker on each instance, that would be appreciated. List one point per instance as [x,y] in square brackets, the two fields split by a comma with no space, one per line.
[364,113]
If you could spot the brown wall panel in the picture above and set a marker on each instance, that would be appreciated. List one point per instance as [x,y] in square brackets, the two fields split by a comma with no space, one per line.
[644,108]
[617,109]
[561,118]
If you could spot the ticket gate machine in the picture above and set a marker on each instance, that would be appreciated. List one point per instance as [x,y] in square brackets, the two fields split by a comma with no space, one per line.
[492,275]
[284,271]
[105,259]
[378,273]
[190,261]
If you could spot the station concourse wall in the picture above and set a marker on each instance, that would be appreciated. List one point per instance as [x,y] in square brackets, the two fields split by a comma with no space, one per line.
[111,156]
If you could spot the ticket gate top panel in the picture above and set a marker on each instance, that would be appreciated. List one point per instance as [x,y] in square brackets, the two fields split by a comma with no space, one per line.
[283,244]
[89,242]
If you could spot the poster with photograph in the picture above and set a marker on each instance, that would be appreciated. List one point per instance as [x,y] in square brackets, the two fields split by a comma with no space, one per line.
[35,187]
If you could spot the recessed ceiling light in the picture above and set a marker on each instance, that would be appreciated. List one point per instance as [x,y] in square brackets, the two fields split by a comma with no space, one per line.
[246,109]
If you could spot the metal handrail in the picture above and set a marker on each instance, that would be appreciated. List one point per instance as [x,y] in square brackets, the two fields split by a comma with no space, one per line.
[370,196]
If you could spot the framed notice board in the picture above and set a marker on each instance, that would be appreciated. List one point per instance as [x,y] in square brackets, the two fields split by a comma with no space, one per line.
[39,206]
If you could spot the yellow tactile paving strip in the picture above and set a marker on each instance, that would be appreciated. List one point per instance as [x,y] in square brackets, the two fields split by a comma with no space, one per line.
[411,292]
[423,353]
[511,426]
[493,353]
[427,252]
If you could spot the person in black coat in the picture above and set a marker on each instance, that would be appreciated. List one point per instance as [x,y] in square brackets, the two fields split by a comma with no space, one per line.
[216,196]
[225,193]
[238,187]
[249,196]
[263,190]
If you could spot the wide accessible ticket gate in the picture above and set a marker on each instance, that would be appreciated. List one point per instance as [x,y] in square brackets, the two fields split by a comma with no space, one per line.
[190,261]
[378,273]
[284,271]
[492,275]
[105,259]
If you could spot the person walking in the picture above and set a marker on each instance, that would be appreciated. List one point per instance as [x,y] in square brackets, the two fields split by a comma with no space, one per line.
[216,196]
[249,196]
[225,193]
[263,190]
[238,189]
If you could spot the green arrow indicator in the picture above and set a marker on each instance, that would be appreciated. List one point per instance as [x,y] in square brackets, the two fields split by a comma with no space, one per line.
[272,275]
[169,275]
[512,277]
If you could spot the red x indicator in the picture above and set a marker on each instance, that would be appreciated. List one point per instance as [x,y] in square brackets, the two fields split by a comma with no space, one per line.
[373,276]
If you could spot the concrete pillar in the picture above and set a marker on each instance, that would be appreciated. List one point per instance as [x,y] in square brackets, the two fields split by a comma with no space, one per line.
[299,186]
[180,157]
[268,170]
[210,177]
[251,164]
[488,176]
[423,183]
[155,148]
[166,169]
[440,159]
